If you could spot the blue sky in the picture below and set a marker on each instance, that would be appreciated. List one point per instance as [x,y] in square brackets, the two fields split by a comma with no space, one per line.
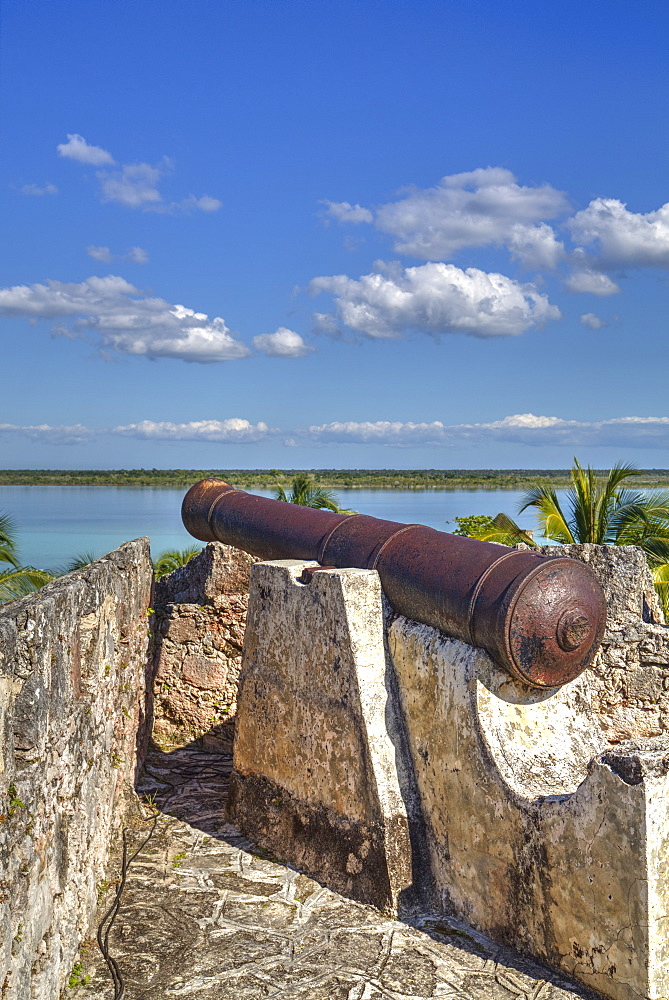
[334,234]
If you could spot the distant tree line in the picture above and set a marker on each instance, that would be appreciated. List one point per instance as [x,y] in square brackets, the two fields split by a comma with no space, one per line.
[271,479]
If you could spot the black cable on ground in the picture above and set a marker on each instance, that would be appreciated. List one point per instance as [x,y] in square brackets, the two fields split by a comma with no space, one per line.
[187,772]
[107,922]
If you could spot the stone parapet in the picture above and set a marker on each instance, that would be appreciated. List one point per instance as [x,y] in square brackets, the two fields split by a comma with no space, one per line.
[405,768]
[73,666]
[199,621]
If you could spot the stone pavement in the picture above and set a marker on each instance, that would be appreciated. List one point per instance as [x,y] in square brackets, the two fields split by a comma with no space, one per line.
[204,915]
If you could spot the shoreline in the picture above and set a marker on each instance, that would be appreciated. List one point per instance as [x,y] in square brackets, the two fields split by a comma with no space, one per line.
[337,479]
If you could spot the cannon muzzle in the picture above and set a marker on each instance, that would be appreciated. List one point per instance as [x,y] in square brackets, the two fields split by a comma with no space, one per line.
[541,618]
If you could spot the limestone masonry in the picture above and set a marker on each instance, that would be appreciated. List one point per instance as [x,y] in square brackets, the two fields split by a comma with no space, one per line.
[406,769]
[389,762]
[73,664]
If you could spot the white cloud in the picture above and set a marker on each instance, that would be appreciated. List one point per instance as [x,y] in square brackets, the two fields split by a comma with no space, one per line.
[102,254]
[74,434]
[485,206]
[76,148]
[592,322]
[283,343]
[205,204]
[520,429]
[435,298]
[125,321]
[138,255]
[536,247]
[592,282]
[231,430]
[623,238]
[343,211]
[35,189]
[523,428]
[134,185]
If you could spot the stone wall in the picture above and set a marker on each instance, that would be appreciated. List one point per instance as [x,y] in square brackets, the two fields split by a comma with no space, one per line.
[407,769]
[199,622]
[73,674]
[628,682]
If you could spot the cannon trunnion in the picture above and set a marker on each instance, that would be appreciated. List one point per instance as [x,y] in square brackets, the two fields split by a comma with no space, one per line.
[541,618]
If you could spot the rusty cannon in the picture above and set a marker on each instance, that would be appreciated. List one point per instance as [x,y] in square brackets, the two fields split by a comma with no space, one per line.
[540,617]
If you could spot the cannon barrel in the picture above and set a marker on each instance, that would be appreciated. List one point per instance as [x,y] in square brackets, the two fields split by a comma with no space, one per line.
[541,618]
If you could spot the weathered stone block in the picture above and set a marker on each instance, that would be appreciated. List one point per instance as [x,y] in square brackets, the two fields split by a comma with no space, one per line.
[72,727]
[200,616]
[315,778]
[383,757]
[203,672]
[218,569]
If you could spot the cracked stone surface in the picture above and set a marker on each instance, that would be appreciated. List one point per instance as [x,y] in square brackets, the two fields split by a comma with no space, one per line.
[205,915]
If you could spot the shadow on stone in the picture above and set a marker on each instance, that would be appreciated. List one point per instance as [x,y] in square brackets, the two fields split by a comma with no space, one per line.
[191,782]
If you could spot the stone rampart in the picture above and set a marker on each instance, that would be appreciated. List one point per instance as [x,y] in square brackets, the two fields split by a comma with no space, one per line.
[73,675]
[200,617]
[405,768]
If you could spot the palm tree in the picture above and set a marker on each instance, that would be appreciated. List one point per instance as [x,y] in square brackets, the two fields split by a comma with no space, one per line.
[305,493]
[17,581]
[605,513]
[173,559]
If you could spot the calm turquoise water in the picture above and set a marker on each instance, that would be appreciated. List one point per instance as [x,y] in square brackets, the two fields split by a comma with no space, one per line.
[58,522]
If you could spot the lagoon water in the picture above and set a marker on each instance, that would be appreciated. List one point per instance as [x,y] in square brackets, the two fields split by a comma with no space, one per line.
[56,523]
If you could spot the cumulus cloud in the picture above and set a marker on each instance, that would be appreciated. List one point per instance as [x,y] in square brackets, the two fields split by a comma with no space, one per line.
[76,148]
[36,190]
[520,429]
[523,428]
[231,430]
[138,255]
[592,321]
[234,429]
[536,247]
[343,211]
[435,298]
[478,208]
[586,280]
[74,434]
[134,185]
[283,343]
[124,320]
[623,238]
[102,254]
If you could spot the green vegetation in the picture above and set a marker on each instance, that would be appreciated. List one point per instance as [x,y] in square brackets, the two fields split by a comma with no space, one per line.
[17,580]
[305,493]
[500,529]
[601,511]
[403,479]
[77,976]
[173,559]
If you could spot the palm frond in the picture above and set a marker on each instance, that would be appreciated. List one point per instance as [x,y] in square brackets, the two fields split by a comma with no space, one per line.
[551,519]
[8,540]
[173,559]
[22,580]
[79,561]
[304,493]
